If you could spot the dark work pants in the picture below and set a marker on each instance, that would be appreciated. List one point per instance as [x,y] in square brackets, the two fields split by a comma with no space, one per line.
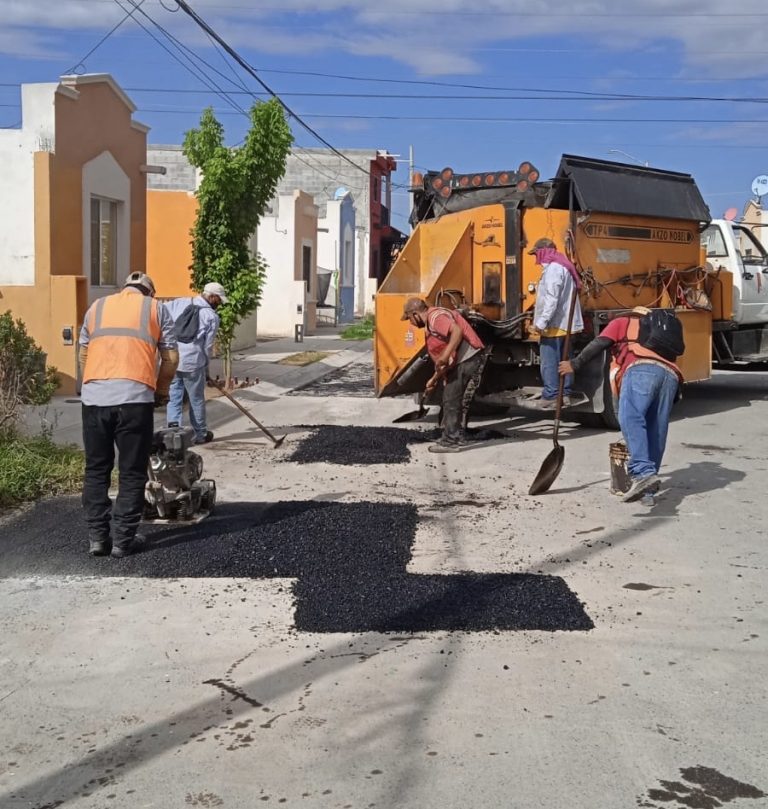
[128,427]
[461,384]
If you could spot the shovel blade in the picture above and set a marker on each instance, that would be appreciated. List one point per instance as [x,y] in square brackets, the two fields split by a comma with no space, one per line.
[279,441]
[549,471]
[414,415]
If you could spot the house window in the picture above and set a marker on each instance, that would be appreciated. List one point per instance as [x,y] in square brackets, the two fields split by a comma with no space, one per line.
[103,242]
[306,266]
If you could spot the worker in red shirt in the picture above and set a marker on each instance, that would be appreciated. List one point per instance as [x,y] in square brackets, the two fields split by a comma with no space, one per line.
[459,356]
[647,386]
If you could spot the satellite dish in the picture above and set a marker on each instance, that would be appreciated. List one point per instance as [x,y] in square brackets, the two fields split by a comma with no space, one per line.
[760,185]
[731,214]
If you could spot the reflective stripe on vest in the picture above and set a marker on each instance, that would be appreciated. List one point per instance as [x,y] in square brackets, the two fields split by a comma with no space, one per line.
[141,333]
[124,331]
[437,342]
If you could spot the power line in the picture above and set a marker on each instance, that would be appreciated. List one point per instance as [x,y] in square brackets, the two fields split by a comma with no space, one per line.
[233,53]
[188,65]
[217,89]
[601,97]
[225,94]
[81,63]
[467,86]
[481,119]
[582,96]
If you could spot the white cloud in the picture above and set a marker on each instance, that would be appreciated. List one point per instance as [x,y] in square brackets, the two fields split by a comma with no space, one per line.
[737,134]
[27,44]
[437,36]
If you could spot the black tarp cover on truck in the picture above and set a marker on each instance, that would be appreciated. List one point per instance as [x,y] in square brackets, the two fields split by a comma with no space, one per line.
[605,186]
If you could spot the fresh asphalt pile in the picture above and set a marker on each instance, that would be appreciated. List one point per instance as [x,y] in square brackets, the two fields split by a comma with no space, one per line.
[355,380]
[359,445]
[348,559]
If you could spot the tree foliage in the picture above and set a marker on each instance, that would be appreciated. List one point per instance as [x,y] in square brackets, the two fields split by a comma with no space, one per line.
[236,187]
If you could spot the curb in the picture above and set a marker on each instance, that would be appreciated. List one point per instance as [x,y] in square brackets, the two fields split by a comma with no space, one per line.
[353,356]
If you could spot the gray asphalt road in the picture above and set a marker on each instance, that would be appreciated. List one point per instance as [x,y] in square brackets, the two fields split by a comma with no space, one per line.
[183,687]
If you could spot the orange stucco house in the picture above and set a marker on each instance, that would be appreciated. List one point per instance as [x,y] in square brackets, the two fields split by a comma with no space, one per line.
[73,221]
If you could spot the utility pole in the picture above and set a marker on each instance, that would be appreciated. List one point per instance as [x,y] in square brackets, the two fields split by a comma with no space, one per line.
[410,173]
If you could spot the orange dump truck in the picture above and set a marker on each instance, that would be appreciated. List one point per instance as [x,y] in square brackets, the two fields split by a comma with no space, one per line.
[634,233]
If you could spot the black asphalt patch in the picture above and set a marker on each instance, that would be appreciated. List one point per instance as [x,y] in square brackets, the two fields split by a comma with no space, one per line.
[349,561]
[355,380]
[360,445]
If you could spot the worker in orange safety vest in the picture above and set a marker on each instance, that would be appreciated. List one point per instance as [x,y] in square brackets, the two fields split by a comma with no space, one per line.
[123,339]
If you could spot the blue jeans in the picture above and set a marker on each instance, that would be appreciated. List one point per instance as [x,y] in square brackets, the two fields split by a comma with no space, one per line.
[645,404]
[550,356]
[194,384]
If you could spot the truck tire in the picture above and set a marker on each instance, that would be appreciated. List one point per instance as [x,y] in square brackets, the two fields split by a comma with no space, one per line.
[610,414]
[609,418]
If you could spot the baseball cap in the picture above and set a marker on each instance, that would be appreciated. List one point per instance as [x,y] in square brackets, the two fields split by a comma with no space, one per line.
[541,244]
[140,279]
[214,288]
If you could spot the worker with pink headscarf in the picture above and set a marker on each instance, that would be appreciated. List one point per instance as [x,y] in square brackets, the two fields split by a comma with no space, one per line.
[559,280]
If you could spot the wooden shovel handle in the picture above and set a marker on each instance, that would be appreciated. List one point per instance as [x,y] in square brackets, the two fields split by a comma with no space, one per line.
[566,354]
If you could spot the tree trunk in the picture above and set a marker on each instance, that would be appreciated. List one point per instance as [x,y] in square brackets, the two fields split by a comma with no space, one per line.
[229,382]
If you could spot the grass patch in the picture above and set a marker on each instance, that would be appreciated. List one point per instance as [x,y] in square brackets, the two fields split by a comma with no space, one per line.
[362,330]
[31,468]
[304,358]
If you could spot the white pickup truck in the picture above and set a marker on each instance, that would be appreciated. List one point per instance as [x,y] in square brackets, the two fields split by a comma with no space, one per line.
[743,338]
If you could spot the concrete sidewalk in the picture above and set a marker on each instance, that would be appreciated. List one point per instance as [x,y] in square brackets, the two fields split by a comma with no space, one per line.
[61,417]
[263,361]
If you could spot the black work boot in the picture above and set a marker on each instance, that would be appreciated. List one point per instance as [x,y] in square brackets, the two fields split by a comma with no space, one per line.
[99,547]
[127,547]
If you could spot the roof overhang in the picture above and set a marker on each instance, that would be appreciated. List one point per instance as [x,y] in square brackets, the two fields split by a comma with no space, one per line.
[75,81]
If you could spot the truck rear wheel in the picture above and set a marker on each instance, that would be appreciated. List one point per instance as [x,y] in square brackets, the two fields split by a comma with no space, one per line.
[609,418]
[610,412]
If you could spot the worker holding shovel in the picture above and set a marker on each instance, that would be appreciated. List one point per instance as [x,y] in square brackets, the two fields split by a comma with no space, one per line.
[459,356]
[646,379]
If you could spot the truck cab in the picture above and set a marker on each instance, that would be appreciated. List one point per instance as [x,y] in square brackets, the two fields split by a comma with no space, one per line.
[734,247]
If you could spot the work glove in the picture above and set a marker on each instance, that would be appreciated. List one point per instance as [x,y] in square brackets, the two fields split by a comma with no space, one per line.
[161,399]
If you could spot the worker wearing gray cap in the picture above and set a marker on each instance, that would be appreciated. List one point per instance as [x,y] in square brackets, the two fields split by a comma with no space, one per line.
[122,338]
[196,326]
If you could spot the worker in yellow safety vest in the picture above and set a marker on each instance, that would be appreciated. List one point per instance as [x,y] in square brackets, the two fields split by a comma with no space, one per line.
[124,338]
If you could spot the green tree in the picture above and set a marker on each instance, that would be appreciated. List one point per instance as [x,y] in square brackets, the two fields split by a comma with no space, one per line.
[236,187]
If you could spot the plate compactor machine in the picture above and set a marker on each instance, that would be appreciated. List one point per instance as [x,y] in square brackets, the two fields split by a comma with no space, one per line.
[176,491]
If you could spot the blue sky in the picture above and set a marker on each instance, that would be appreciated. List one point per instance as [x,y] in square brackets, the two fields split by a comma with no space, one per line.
[540,78]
